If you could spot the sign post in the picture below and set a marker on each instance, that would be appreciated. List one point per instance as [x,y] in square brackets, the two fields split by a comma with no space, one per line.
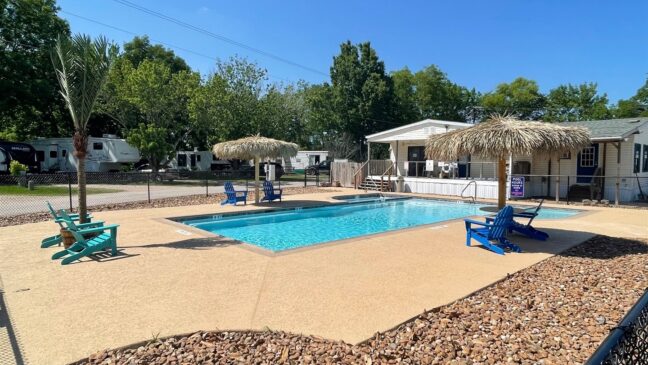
[517,186]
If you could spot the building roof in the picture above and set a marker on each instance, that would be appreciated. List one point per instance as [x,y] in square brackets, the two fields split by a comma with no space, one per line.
[611,130]
[418,131]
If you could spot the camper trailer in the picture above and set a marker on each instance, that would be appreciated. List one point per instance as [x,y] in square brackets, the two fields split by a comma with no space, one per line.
[105,154]
[16,151]
[304,159]
[198,161]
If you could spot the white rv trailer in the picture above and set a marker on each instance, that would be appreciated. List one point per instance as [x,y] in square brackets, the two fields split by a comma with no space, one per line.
[105,154]
[197,161]
[303,159]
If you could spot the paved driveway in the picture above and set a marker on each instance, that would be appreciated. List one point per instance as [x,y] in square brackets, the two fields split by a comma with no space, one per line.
[20,204]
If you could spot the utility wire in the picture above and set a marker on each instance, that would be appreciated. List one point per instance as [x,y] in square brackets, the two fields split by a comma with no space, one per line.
[156,40]
[217,36]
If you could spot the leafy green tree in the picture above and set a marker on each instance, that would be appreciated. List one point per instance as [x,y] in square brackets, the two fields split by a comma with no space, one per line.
[439,98]
[520,98]
[362,91]
[636,106]
[140,49]
[406,108]
[320,116]
[151,95]
[82,66]
[30,104]
[568,103]
[152,143]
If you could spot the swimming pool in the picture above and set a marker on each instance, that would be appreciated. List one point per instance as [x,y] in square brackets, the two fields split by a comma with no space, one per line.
[292,228]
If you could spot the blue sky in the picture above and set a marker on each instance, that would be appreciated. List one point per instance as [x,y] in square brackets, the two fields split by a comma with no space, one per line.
[477,43]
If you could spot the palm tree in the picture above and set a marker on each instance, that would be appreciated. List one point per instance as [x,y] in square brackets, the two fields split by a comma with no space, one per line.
[81,66]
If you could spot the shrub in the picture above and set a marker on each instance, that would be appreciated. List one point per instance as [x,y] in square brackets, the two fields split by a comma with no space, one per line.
[15,168]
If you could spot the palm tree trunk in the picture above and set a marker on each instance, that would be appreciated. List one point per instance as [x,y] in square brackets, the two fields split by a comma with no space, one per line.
[81,179]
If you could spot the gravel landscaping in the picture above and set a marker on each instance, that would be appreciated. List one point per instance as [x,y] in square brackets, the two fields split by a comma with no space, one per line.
[555,312]
[155,203]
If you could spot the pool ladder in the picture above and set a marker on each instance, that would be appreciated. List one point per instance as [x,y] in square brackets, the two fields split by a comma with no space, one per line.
[472,198]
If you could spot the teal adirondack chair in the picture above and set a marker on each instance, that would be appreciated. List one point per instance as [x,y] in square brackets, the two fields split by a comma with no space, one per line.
[60,220]
[84,246]
[492,233]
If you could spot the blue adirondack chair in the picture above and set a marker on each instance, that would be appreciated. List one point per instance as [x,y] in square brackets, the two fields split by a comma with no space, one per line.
[234,196]
[59,219]
[270,193]
[105,238]
[527,229]
[492,235]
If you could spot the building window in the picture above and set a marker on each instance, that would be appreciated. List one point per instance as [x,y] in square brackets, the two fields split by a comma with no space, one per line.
[198,158]
[53,154]
[40,156]
[645,158]
[587,157]
[637,157]
[182,160]
[97,146]
[63,153]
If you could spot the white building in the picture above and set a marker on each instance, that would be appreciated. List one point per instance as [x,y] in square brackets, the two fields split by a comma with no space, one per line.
[105,154]
[618,157]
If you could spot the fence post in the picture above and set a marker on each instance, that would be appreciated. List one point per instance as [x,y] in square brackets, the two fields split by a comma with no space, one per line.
[317,178]
[70,188]
[207,184]
[148,186]
[305,174]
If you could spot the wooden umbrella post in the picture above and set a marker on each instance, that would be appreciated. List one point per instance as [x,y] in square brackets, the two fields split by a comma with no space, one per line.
[256,179]
[501,191]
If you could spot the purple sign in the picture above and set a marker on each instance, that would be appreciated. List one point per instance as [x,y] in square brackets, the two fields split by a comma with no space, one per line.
[517,186]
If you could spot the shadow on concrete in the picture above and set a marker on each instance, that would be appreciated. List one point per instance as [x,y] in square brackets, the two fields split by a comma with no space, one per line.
[104,256]
[195,243]
[9,348]
[577,244]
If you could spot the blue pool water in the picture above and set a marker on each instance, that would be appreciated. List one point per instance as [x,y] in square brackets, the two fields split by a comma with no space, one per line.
[286,229]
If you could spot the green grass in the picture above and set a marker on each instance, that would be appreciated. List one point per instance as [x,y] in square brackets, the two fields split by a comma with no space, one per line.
[44,190]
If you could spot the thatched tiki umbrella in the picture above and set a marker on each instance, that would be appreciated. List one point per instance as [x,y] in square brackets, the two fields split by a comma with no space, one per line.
[255,148]
[499,137]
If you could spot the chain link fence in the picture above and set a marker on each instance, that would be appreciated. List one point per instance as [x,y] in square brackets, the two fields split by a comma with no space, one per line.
[627,344]
[28,193]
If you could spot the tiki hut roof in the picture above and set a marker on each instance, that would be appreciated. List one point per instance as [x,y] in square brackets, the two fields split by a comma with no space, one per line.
[255,146]
[500,136]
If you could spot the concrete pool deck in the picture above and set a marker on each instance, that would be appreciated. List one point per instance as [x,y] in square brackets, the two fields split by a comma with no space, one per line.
[168,280]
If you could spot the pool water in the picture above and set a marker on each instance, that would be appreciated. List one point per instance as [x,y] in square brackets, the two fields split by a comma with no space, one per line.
[287,229]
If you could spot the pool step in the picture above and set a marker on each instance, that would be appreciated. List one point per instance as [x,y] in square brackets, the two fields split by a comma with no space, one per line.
[375,185]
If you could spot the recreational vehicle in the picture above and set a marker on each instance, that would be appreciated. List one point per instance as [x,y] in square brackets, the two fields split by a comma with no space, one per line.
[16,151]
[198,161]
[303,159]
[105,154]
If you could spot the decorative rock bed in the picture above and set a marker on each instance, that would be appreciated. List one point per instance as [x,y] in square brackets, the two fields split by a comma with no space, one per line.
[555,312]
[155,203]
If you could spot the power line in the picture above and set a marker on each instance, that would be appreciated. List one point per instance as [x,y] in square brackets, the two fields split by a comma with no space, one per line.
[156,40]
[217,36]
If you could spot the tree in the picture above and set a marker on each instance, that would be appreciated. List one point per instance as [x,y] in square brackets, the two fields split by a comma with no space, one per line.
[151,141]
[82,66]
[521,98]
[362,92]
[30,105]
[406,108]
[152,96]
[439,98]
[140,49]
[636,106]
[568,103]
